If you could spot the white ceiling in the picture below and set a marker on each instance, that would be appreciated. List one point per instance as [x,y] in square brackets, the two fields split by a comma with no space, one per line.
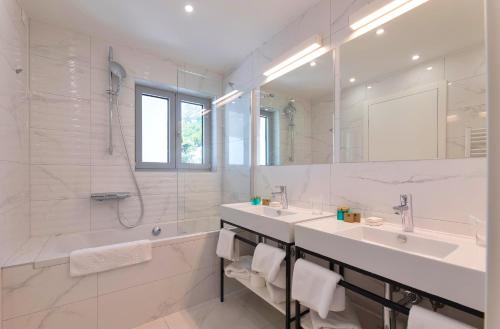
[432,30]
[218,35]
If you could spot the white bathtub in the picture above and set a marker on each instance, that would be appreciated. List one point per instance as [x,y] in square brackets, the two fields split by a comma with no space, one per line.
[54,250]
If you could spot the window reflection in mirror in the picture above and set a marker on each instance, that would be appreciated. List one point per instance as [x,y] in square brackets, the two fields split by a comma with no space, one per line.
[296,116]
[415,87]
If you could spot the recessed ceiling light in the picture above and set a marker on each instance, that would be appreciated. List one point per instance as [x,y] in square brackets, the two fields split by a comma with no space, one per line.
[313,64]
[352,80]
[369,87]
[415,57]
[450,83]
[429,68]
[189,8]
[380,31]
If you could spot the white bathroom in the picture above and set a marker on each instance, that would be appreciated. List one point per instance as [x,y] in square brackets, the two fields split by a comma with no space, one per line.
[203,164]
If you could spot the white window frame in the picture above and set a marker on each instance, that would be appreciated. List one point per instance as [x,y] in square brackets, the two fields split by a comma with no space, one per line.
[174,130]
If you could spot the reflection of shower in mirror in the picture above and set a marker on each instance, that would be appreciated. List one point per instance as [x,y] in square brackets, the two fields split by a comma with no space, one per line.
[289,111]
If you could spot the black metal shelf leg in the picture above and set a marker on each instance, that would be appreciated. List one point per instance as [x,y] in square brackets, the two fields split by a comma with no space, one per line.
[222,272]
[297,303]
[288,261]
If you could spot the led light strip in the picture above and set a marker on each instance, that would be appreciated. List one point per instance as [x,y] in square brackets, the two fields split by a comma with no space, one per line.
[385,14]
[306,50]
[227,98]
[298,63]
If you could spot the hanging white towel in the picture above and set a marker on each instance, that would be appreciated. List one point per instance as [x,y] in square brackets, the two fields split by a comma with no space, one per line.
[421,318]
[267,261]
[226,246]
[314,286]
[347,319]
[239,269]
[276,294]
[105,258]
[280,281]
[339,300]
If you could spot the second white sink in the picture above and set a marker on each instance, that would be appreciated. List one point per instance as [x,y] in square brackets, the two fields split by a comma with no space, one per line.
[401,241]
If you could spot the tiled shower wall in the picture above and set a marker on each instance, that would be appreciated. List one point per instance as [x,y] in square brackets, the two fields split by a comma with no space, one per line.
[68,131]
[14,140]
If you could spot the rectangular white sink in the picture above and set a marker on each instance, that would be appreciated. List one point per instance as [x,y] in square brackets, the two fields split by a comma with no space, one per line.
[274,222]
[401,241]
[445,265]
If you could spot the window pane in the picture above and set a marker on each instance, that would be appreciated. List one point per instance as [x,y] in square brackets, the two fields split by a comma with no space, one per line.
[155,129]
[263,151]
[192,133]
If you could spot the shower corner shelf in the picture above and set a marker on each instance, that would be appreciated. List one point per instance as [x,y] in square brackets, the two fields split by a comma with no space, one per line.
[109,196]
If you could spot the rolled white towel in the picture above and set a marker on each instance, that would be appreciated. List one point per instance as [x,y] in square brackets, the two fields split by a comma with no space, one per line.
[226,246]
[239,269]
[421,318]
[267,261]
[347,319]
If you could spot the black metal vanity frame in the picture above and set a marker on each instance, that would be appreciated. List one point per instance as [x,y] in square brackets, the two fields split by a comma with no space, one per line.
[288,261]
[301,253]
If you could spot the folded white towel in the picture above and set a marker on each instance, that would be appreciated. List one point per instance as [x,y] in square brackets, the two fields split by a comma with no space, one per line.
[277,295]
[267,261]
[347,319]
[105,258]
[314,286]
[421,318]
[226,246]
[239,269]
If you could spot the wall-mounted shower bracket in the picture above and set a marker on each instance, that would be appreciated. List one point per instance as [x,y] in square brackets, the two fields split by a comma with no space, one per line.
[109,196]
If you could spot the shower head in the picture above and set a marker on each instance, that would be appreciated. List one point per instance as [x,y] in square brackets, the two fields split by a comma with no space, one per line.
[117,70]
[289,111]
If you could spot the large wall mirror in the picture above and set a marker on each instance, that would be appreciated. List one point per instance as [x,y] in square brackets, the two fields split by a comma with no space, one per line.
[295,122]
[415,88]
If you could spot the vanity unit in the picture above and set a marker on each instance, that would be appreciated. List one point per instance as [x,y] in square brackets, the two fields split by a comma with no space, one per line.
[267,223]
[447,269]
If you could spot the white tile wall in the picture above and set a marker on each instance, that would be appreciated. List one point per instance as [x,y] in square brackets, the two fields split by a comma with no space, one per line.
[69,137]
[446,192]
[182,273]
[14,133]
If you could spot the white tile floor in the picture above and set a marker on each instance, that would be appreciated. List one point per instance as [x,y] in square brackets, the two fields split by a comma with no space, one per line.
[242,310]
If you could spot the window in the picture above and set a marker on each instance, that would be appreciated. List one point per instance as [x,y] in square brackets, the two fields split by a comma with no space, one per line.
[266,128]
[172,130]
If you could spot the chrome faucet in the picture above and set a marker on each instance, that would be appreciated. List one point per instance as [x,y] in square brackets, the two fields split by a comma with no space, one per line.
[405,209]
[284,196]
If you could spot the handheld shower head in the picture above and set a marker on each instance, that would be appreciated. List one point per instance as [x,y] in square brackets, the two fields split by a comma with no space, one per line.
[289,112]
[117,70]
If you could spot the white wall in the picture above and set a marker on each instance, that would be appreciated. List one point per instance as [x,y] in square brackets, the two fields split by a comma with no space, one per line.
[14,140]
[69,127]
